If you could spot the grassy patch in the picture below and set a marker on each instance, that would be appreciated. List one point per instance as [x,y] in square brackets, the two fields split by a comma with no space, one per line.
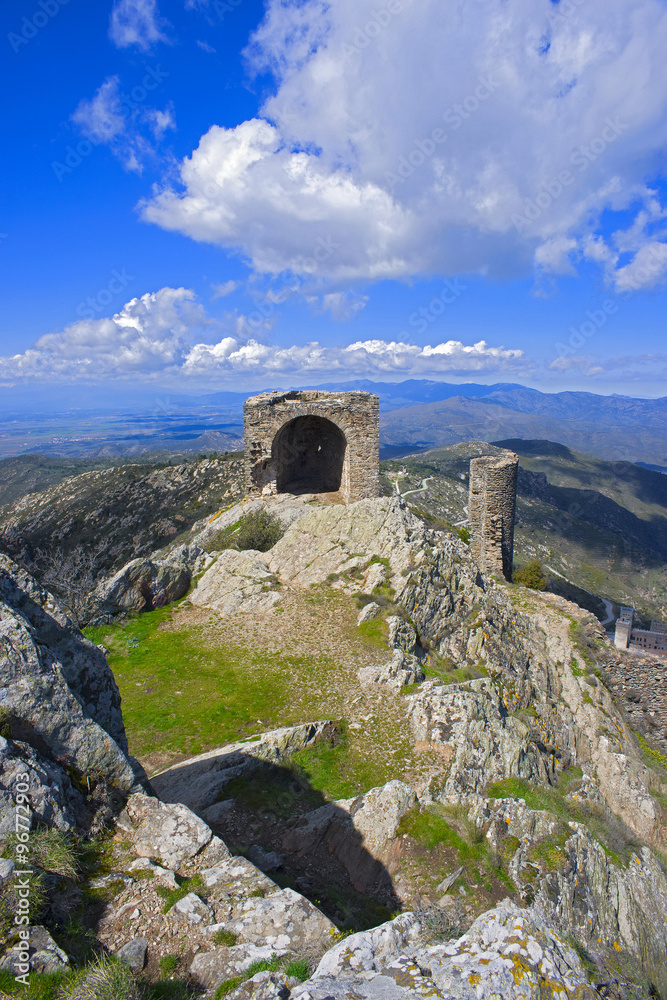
[168,964]
[448,827]
[441,668]
[172,896]
[224,938]
[184,694]
[614,837]
[341,769]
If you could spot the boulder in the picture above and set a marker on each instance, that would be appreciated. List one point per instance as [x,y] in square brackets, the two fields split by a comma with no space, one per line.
[60,696]
[267,861]
[167,832]
[44,955]
[53,800]
[134,953]
[142,585]
[237,580]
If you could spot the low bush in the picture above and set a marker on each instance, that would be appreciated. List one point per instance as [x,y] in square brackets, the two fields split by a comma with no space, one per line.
[531,575]
[259,530]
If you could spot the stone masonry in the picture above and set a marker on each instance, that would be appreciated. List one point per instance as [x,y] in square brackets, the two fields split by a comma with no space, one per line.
[309,441]
[491,508]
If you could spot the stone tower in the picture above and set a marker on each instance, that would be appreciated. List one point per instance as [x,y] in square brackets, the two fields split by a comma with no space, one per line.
[309,441]
[491,507]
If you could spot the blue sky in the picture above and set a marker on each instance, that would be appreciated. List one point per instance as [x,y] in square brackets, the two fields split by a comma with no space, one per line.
[234,194]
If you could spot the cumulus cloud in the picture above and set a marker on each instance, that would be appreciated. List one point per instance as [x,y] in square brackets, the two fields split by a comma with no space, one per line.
[160,334]
[150,334]
[136,23]
[441,138]
[628,367]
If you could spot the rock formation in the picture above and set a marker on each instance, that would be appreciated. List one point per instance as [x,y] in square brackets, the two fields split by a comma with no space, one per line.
[579,845]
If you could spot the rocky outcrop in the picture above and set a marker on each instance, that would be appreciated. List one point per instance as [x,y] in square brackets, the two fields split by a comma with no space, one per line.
[359,831]
[199,782]
[479,741]
[61,703]
[237,579]
[400,670]
[143,585]
[508,953]
[615,913]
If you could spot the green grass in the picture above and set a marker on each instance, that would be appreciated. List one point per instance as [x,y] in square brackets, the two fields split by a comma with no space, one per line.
[431,828]
[342,769]
[224,938]
[299,969]
[172,896]
[223,688]
[441,668]
[168,964]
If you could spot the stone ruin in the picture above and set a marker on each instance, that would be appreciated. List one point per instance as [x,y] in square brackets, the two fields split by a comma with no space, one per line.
[491,510]
[628,634]
[310,441]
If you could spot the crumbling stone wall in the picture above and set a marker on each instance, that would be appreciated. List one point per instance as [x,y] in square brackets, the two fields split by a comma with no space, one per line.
[491,510]
[309,441]
[639,684]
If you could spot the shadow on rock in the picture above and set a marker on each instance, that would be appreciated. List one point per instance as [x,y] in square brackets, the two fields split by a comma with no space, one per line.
[340,855]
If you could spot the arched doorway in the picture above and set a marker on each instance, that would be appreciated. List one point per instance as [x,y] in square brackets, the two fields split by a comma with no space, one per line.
[309,456]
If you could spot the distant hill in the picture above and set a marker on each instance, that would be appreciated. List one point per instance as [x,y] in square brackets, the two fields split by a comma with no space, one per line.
[415,414]
[610,427]
[601,525]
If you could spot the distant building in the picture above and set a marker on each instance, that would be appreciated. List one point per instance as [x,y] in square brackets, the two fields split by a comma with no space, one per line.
[652,640]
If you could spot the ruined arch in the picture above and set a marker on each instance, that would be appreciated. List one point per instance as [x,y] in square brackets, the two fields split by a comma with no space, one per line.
[309,455]
[314,441]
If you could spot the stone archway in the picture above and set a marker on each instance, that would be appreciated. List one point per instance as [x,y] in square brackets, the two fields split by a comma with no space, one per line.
[308,454]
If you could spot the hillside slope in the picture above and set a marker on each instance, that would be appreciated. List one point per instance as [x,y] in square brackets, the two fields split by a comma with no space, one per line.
[611,432]
[80,531]
[601,525]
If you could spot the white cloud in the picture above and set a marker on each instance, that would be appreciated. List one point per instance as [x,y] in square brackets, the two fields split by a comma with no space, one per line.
[343,306]
[205,46]
[223,290]
[136,23]
[160,121]
[160,334]
[148,335]
[345,178]
[114,119]
[362,357]
[101,119]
